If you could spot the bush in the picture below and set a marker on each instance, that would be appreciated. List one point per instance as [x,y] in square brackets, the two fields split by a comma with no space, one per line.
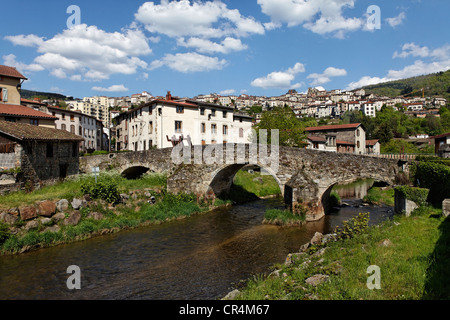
[417,195]
[433,176]
[356,225]
[335,199]
[105,190]
[4,232]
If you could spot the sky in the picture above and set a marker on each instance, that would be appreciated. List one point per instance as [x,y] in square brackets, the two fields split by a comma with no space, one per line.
[83,48]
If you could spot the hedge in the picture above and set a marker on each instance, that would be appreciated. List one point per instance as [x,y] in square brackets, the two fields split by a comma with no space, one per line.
[418,195]
[433,176]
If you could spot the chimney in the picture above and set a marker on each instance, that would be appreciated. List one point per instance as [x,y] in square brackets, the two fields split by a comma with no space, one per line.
[168,96]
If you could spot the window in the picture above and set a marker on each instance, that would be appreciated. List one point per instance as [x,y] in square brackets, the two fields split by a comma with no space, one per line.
[72,117]
[225,130]
[150,127]
[63,116]
[10,119]
[178,126]
[63,127]
[34,122]
[80,131]
[225,114]
[74,149]
[241,132]
[180,109]
[72,129]
[4,94]
[49,150]
[202,111]
[213,112]
[203,128]
[213,128]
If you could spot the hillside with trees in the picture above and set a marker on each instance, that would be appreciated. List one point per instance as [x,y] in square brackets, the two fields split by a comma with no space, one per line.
[433,85]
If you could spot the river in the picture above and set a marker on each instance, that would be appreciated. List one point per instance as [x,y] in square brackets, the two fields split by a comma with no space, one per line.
[199,258]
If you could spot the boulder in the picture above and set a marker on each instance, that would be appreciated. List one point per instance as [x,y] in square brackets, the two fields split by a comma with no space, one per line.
[54,228]
[446,207]
[31,225]
[95,216]
[317,239]
[62,205]
[78,203]
[58,217]
[73,219]
[27,213]
[317,279]
[8,218]
[232,295]
[47,208]
[45,221]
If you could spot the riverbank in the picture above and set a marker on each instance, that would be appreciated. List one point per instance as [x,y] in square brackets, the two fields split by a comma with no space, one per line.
[412,254]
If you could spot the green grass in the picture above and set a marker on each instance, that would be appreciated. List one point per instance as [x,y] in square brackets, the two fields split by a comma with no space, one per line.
[378,196]
[71,188]
[414,266]
[259,185]
[282,217]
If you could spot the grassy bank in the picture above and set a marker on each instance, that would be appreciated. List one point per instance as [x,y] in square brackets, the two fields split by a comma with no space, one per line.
[256,183]
[412,254]
[380,196]
[283,218]
[136,211]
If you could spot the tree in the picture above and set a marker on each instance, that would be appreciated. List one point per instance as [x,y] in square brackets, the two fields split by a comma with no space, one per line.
[291,129]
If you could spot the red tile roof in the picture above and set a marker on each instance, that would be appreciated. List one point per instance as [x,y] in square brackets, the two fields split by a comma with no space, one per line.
[28,132]
[371,142]
[11,72]
[345,142]
[334,127]
[23,112]
[441,136]
[31,101]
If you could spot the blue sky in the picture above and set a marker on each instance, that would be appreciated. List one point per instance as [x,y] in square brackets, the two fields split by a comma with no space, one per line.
[257,47]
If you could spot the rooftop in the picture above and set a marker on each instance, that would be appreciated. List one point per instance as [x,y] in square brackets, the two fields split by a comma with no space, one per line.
[28,132]
[23,112]
[334,127]
[11,72]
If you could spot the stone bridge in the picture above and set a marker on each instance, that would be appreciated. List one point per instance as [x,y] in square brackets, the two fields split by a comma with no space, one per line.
[305,177]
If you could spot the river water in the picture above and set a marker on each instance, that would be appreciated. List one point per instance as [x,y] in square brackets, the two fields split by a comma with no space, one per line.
[199,258]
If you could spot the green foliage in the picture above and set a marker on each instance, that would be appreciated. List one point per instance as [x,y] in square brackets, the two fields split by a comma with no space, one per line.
[417,195]
[105,190]
[355,226]
[433,176]
[284,217]
[291,129]
[4,232]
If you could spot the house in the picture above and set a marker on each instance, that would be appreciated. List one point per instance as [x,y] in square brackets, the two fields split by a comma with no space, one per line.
[10,83]
[350,138]
[442,145]
[368,109]
[41,153]
[163,123]
[22,114]
[373,147]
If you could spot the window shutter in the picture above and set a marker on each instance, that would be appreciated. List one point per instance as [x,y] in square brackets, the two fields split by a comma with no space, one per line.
[5,94]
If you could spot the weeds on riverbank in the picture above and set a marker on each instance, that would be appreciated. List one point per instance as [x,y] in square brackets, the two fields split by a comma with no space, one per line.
[412,253]
[283,218]
[380,196]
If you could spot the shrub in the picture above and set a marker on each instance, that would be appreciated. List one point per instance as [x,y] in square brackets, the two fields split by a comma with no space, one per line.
[417,195]
[4,232]
[356,225]
[105,190]
[433,176]
[335,199]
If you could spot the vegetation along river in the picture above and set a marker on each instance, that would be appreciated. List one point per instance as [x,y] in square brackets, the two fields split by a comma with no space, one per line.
[199,258]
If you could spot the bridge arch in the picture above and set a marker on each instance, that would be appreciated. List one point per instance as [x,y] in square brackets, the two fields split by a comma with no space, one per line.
[220,181]
[135,172]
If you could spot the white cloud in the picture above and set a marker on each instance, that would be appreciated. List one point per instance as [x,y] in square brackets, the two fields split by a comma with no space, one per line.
[10,60]
[209,19]
[319,16]
[89,53]
[325,77]
[227,92]
[439,60]
[113,88]
[206,46]
[280,79]
[398,20]
[189,62]
[30,40]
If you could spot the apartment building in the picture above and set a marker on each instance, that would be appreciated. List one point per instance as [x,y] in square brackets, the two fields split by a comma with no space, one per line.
[166,123]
